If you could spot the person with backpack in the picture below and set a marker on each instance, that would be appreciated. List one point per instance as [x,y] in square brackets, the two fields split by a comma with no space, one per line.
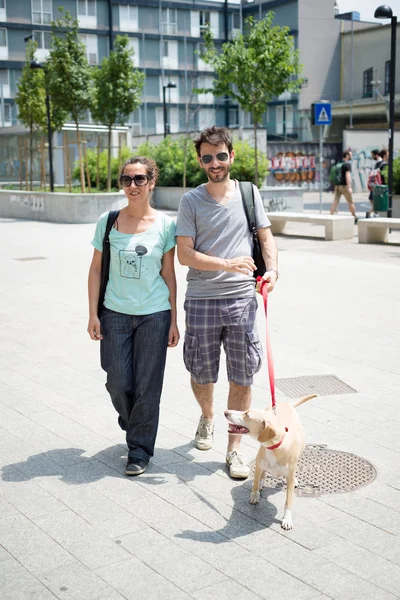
[376,177]
[136,322]
[342,183]
[214,240]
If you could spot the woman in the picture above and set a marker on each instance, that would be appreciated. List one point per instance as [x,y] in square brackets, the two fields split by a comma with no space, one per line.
[138,318]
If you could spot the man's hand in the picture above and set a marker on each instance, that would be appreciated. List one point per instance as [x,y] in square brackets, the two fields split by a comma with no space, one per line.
[271,277]
[241,264]
[173,336]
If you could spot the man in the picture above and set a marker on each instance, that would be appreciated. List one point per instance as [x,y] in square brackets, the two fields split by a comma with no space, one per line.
[343,187]
[380,164]
[214,241]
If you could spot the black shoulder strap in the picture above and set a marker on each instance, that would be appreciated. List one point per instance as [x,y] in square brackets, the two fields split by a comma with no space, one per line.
[247,192]
[112,217]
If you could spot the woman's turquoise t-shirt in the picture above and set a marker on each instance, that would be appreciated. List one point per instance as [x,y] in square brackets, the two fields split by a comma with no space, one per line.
[135,286]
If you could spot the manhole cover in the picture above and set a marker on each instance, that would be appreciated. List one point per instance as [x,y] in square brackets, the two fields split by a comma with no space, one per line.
[323,471]
[27,258]
[323,385]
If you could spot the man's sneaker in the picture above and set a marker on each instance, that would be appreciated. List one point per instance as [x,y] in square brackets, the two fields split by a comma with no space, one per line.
[237,467]
[135,466]
[204,434]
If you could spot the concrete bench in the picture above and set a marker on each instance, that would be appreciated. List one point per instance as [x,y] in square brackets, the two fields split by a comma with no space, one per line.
[372,231]
[337,227]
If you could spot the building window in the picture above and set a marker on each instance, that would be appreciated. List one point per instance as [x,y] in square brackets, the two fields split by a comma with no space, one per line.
[90,42]
[387,77]
[41,12]
[279,119]
[169,24]
[86,8]
[165,50]
[3,37]
[368,88]
[3,76]
[233,117]
[289,118]
[2,3]
[133,44]
[43,39]
[205,20]
[128,17]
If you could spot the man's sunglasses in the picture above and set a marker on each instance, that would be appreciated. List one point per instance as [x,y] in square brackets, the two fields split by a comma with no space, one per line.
[221,156]
[140,180]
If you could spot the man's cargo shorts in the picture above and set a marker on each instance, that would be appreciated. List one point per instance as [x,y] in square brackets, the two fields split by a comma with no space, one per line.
[230,321]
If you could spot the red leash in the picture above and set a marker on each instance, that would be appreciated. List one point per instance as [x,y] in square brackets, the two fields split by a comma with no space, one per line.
[270,360]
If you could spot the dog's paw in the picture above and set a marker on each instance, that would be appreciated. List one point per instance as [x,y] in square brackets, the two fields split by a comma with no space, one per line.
[254,497]
[287,522]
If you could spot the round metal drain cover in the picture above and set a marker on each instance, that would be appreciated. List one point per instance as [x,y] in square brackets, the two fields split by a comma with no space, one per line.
[324,471]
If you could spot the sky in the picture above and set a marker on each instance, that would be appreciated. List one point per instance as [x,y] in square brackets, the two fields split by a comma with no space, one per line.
[366,7]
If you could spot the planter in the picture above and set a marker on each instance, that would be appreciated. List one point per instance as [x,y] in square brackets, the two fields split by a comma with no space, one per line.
[168,197]
[396,207]
[56,207]
[277,198]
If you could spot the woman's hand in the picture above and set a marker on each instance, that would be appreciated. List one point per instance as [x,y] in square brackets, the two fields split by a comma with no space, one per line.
[94,328]
[173,336]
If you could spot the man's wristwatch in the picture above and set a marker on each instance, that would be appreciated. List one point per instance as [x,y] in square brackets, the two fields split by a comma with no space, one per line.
[276,273]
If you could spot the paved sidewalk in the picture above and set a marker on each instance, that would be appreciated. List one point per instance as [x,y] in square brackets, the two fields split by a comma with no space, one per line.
[73,527]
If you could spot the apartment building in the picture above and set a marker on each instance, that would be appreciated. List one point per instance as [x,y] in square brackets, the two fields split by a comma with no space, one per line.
[166,36]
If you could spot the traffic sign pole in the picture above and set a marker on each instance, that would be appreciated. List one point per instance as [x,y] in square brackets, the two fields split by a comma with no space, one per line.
[321,115]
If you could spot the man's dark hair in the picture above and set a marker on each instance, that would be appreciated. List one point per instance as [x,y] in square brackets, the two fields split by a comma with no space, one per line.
[346,154]
[215,136]
[375,152]
[383,154]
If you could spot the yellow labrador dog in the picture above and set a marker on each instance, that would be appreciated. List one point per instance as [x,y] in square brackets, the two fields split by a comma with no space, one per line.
[282,441]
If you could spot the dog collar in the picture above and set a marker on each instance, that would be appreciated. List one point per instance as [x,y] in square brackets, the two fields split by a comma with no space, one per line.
[275,446]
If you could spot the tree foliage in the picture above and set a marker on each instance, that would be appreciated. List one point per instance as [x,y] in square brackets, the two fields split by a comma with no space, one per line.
[255,67]
[31,95]
[117,89]
[70,75]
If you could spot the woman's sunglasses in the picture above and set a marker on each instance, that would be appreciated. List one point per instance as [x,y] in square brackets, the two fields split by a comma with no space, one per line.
[221,156]
[140,180]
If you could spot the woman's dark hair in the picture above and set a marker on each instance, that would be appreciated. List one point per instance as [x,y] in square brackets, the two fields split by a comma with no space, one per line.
[151,167]
[215,136]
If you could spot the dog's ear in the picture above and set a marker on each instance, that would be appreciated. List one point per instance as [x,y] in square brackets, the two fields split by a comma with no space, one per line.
[267,433]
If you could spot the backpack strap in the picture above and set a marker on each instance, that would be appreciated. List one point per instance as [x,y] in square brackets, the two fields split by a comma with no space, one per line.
[105,258]
[247,193]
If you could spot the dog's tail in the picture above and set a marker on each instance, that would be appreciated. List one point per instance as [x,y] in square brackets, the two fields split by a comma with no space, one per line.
[302,400]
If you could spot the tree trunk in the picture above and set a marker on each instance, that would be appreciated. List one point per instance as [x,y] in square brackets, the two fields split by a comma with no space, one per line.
[109,161]
[184,160]
[255,154]
[26,164]
[84,142]
[21,160]
[31,159]
[66,145]
[82,173]
[98,164]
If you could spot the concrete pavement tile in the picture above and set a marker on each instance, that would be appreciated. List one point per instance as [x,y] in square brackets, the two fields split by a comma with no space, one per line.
[366,509]
[101,512]
[182,568]
[76,582]
[266,580]
[18,584]
[22,403]
[22,539]
[136,581]
[383,494]
[315,510]
[225,591]
[30,499]
[6,508]
[365,564]
[121,489]
[81,540]
[367,536]
[323,575]
[4,555]
[164,456]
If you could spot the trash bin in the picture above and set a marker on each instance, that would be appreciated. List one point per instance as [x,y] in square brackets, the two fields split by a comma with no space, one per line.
[380,198]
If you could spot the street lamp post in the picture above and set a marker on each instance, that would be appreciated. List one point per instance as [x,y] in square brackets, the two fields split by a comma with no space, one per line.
[385,12]
[37,65]
[166,124]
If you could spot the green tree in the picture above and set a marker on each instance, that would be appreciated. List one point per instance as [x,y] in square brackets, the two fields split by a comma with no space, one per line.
[255,67]
[30,99]
[70,75]
[117,90]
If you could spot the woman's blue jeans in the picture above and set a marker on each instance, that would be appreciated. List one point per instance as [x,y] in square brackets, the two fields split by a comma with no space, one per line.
[133,353]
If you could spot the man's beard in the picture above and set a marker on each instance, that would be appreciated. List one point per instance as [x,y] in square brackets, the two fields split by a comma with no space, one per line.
[220,176]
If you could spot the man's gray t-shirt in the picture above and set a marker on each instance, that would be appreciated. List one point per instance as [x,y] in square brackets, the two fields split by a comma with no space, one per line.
[219,230]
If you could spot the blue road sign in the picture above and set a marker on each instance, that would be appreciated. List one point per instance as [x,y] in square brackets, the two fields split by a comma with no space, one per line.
[322,113]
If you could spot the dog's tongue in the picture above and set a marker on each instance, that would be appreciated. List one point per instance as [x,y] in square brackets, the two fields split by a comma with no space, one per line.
[237,429]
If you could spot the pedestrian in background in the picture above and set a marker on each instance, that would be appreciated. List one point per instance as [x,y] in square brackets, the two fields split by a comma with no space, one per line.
[343,185]
[215,242]
[138,319]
